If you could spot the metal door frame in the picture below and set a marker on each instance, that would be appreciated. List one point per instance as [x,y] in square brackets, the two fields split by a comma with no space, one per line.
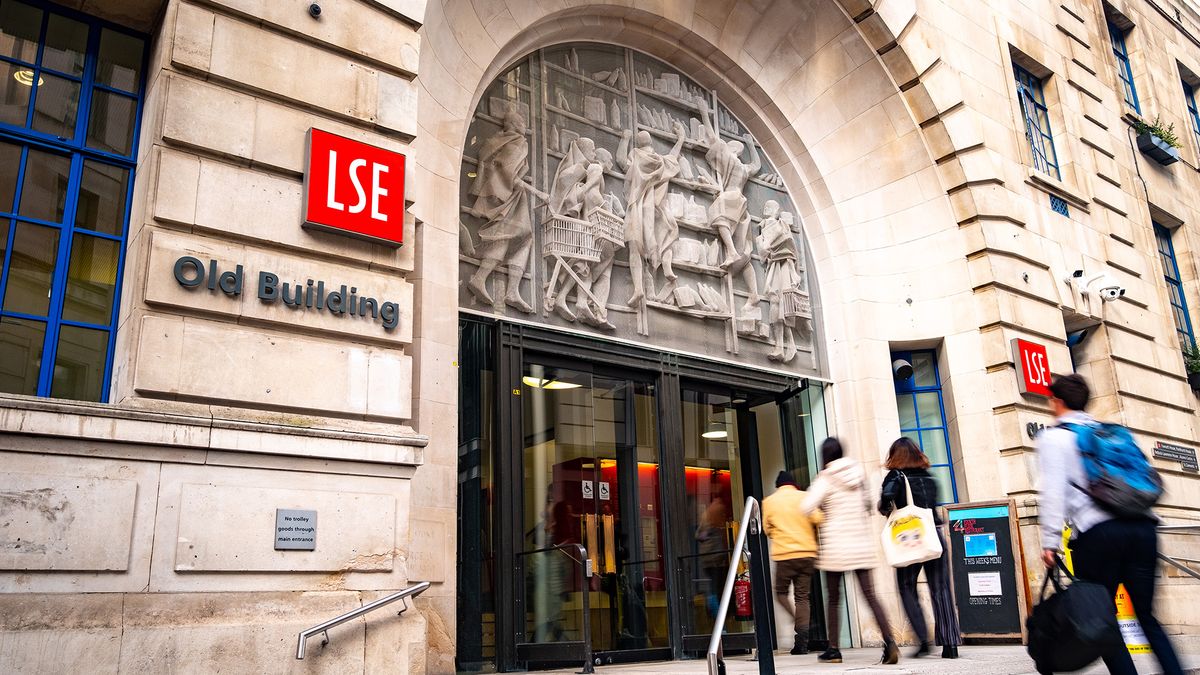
[517,343]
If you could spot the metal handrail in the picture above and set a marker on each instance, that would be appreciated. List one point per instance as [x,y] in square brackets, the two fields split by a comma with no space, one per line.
[1177,563]
[751,515]
[302,640]
[585,566]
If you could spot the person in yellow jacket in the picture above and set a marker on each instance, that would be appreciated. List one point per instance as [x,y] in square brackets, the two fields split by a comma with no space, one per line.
[794,549]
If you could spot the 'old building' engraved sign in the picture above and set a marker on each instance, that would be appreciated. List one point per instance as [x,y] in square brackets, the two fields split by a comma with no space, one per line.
[295,530]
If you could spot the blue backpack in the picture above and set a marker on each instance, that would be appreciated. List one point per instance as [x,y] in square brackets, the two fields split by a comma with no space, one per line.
[1119,477]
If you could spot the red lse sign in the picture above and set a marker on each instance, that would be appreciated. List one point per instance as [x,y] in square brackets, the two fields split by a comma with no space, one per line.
[1033,367]
[354,189]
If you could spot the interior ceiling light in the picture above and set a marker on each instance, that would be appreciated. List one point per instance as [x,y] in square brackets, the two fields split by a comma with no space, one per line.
[544,383]
[715,431]
[25,77]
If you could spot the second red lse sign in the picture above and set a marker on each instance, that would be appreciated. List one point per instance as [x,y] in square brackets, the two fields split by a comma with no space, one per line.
[1033,367]
[354,189]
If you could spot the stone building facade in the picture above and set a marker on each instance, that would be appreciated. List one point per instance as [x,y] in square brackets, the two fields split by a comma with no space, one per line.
[958,179]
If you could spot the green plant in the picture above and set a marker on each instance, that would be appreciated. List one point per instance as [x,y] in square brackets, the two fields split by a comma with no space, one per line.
[1166,132]
[1191,358]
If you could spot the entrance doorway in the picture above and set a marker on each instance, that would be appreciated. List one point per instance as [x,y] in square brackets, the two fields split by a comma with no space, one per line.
[600,490]
[591,476]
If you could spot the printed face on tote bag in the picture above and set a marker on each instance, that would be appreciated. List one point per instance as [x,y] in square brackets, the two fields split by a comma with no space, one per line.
[907,532]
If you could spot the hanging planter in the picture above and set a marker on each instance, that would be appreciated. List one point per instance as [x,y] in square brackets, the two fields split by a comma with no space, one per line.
[1158,149]
[1194,381]
[1158,141]
[1191,363]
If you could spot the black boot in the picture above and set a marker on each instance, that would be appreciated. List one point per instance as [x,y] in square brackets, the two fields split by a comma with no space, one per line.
[891,653]
[800,648]
[831,655]
[923,650]
[950,652]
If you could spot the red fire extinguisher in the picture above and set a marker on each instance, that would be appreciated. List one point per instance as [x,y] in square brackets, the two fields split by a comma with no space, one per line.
[743,606]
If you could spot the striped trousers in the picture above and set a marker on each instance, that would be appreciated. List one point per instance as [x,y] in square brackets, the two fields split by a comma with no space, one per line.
[945,615]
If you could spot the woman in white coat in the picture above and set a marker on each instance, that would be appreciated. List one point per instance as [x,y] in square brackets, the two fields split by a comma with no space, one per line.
[847,542]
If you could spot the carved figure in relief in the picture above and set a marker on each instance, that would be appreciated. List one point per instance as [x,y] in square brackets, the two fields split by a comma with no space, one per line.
[649,230]
[591,301]
[777,246]
[729,214]
[502,199]
[566,190]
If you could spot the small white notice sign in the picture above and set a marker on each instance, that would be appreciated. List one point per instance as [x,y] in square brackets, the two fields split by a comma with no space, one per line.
[604,493]
[587,490]
[295,530]
[984,583]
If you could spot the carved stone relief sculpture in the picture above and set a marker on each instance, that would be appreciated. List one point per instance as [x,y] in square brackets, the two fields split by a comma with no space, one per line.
[650,231]
[662,221]
[582,235]
[784,283]
[501,196]
[729,213]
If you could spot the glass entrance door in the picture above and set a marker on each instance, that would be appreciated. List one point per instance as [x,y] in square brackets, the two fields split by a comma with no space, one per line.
[646,467]
[591,478]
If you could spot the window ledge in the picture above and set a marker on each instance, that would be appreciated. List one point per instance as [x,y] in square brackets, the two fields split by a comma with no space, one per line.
[178,433]
[1053,186]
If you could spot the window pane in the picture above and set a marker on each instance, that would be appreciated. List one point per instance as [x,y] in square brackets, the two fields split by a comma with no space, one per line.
[908,413]
[32,270]
[79,364]
[20,26]
[110,128]
[929,410]
[66,42]
[91,279]
[923,370]
[57,105]
[15,84]
[44,193]
[120,60]
[101,205]
[10,166]
[933,442]
[20,355]
[941,474]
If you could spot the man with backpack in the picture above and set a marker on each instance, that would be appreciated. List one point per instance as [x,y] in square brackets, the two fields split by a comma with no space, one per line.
[1096,479]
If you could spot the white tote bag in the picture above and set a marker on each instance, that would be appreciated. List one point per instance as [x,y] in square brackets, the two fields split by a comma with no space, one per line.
[910,535]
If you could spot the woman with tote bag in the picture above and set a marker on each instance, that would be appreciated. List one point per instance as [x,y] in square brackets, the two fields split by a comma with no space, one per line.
[909,475]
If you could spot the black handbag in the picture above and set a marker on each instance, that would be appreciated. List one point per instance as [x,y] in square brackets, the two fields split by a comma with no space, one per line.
[1074,627]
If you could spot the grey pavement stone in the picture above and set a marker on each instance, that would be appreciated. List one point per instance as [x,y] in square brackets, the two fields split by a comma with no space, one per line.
[976,660]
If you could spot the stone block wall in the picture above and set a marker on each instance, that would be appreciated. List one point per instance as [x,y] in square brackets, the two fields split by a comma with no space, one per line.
[141,532]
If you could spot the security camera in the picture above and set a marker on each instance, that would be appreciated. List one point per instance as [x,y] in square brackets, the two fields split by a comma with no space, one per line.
[1073,277]
[314,10]
[1077,274]
[1110,293]
[901,369]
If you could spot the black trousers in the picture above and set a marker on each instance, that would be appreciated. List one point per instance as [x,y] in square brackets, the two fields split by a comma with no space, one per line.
[945,614]
[1125,551]
[833,581]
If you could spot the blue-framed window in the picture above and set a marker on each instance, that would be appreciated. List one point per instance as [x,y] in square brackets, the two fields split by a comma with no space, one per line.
[1189,95]
[1124,70]
[922,412]
[1179,309]
[1032,98]
[71,90]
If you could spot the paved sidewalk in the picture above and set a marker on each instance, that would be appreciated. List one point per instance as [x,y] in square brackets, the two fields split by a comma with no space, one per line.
[976,660]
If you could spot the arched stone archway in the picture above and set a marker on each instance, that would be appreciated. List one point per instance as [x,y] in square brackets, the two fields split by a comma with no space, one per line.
[833,91]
